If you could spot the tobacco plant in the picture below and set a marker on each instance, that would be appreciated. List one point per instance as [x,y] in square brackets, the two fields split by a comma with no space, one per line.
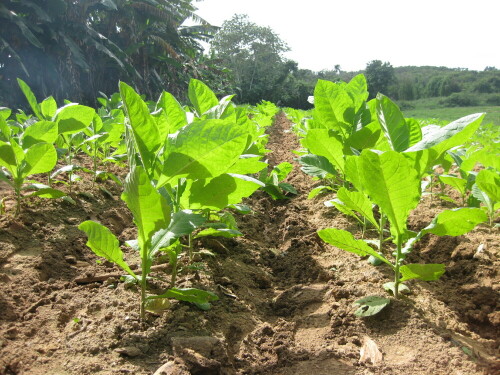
[158,228]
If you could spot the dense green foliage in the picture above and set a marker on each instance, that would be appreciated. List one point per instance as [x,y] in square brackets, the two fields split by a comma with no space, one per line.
[77,49]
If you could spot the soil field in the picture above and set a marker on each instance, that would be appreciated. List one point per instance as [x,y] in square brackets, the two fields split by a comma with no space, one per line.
[286,297]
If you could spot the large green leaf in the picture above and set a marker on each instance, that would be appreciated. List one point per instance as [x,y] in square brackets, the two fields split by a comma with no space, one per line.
[316,166]
[366,137]
[183,223]
[104,244]
[201,97]
[219,192]
[39,158]
[392,184]
[357,88]
[393,123]
[325,143]
[8,157]
[358,202]
[456,182]
[489,182]
[48,107]
[331,104]
[247,165]
[204,149]
[454,222]
[144,129]
[344,240]
[41,131]
[150,209]
[454,134]
[174,114]
[73,118]
[30,97]
[425,272]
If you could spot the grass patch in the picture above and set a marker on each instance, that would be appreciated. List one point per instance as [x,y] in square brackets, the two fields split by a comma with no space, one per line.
[431,108]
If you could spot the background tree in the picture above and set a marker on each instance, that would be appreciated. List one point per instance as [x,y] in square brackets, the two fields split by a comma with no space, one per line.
[74,49]
[379,77]
[254,55]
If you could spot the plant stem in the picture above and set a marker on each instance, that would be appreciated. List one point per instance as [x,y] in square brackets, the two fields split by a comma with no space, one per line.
[190,247]
[143,294]
[381,231]
[396,269]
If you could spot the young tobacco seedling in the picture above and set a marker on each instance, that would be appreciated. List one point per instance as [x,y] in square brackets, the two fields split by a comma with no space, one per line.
[274,184]
[26,153]
[157,228]
[391,183]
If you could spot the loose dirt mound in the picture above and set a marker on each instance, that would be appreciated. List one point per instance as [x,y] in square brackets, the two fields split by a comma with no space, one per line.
[286,298]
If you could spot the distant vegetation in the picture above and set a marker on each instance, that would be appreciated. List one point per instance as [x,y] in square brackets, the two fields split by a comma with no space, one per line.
[76,50]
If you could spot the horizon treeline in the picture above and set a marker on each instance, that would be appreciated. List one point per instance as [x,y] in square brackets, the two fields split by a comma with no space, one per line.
[80,50]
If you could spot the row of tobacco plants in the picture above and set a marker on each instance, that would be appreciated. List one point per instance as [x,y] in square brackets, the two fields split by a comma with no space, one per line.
[379,164]
[189,168]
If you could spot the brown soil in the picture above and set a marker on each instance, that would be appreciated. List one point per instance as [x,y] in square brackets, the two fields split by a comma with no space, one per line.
[286,298]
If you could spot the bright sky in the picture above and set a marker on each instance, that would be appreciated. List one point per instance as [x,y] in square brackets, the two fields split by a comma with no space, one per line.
[323,33]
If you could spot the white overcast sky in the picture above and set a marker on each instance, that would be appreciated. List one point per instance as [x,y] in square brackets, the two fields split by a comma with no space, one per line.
[321,33]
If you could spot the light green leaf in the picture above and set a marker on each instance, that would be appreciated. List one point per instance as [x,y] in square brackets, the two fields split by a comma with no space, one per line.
[415,131]
[182,223]
[489,182]
[219,192]
[151,211]
[49,193]
[425,272]
[392,184]
[456,182]
[175,115]
[73,118]
[203,149]
[39,158]
[5,113]
[247,165]
[332,104]
[454,222]
[104,244]
[48,107]
[40,132]
[30,97]
[317,191]
[366,137]
[8,157]
[316,166]
[358,202]
[145,131]
[345,241]
[393,123]
[325,143]
[454,134]
[201,97]
[219,232]
[201,298]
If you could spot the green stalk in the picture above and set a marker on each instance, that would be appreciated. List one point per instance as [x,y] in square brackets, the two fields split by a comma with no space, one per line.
[190,248]
[381,230]
[143,293]
[396,268]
